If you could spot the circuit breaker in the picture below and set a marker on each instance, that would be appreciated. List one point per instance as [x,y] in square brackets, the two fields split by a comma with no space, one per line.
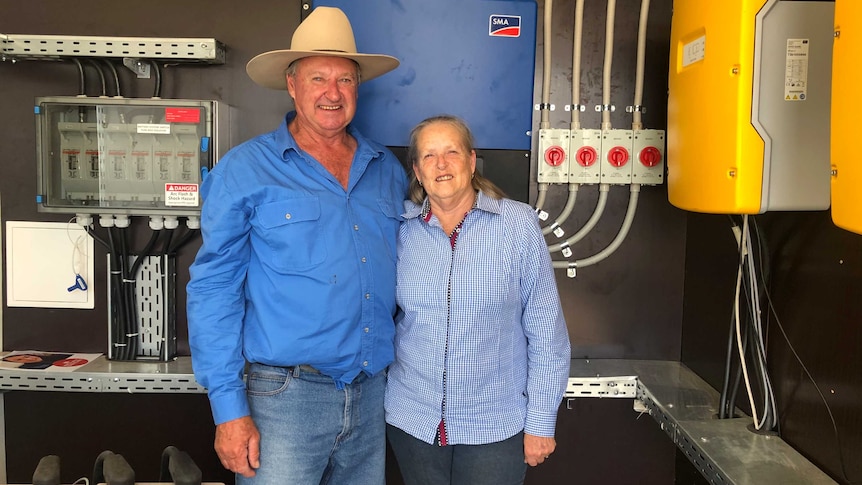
[126,156]
[749,94]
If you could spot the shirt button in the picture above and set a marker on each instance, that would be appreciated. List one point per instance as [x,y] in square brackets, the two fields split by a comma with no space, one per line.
[368,296]
[287,216]
[366,329]
[355,227]
[365,364]
[363,260]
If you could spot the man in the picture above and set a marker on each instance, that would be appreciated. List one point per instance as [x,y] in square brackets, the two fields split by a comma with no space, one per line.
[296,275]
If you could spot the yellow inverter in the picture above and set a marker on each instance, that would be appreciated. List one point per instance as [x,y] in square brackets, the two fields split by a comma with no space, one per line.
[749,93]
[846,75]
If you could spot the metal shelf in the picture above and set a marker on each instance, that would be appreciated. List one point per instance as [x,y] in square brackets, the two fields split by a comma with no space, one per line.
[685,407]
[55,47]
[103,375]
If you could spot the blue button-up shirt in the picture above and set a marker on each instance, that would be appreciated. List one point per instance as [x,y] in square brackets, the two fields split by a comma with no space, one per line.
[293,269]
[482,343]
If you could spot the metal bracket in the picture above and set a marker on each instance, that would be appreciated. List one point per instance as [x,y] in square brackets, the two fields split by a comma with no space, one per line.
[616,386]
[137,66]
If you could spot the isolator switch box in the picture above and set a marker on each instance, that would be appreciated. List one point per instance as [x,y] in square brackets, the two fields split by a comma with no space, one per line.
[553,163]
[585,148]
[648,152]
[616,157]
[126,156]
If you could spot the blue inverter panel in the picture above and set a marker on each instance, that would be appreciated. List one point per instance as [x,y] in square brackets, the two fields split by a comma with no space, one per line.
[470,58]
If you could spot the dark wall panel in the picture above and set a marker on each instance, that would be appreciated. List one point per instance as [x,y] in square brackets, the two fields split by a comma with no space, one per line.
[814,271]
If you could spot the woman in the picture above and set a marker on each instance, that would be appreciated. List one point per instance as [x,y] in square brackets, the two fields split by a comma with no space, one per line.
[481,347]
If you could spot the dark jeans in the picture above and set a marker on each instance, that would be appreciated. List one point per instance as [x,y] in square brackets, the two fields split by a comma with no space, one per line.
[500,463]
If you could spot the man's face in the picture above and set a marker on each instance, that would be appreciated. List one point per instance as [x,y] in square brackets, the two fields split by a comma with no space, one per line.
[324,91]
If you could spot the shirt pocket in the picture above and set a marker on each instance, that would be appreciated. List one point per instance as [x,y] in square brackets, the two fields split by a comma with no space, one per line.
[391,222]
[293,233]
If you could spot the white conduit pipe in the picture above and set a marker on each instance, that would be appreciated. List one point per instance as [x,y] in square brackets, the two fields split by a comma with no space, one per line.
[593,220]
[545,107]
[637,124]
[616,243]
[543,193]
[606,73]
[576,65]
[567,210]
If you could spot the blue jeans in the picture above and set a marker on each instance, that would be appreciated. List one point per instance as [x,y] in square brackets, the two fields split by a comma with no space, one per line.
[500,463]
[313,434]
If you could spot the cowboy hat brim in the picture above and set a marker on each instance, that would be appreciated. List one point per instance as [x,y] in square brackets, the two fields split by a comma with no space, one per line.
[267,69]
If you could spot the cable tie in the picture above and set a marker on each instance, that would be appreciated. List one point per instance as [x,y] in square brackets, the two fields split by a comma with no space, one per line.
[119,345]
[125,280]
[116,272]
[132,334]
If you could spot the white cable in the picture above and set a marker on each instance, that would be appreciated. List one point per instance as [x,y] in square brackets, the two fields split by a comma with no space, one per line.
[606,72]
[639,71]
[618,240]
[769,394]
[591,223]
[739,323]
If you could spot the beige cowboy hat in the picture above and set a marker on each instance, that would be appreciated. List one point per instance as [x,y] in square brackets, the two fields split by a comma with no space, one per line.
[325,32]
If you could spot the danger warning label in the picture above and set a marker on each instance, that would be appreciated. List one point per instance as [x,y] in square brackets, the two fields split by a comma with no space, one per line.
[181,195]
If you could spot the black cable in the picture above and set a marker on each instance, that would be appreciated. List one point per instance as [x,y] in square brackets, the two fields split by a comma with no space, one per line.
[92,233]
[117,91]
[131,299]
[117,301]
[157,74]
[167,243]
[183,240]
[82,83]
[101,73]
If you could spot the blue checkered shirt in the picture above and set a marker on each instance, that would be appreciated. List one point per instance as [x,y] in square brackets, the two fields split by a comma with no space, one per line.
[481,341]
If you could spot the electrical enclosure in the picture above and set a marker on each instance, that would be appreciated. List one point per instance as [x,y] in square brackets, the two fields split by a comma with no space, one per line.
[846,72]
[474,59]
[749,105]
[126,156]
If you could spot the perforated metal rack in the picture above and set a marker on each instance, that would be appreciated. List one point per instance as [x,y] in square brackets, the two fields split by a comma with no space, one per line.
[52,47]
[103,375]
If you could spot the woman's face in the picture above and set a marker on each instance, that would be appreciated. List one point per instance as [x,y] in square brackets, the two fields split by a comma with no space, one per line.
[443,165]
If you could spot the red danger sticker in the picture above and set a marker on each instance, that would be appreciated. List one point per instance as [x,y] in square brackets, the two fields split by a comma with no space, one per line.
[181,195]
[183,115]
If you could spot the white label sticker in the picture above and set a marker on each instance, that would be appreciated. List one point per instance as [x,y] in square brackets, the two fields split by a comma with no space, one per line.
[694,51]
[153,129]
[796,70]
[181,195]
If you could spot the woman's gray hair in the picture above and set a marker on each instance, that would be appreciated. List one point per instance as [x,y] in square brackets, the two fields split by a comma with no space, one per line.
[417,192]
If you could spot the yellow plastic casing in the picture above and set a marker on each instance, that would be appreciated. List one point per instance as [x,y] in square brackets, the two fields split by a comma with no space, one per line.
[846,75]
[714,156]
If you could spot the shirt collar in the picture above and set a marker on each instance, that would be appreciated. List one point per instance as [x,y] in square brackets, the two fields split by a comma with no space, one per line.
[483,203]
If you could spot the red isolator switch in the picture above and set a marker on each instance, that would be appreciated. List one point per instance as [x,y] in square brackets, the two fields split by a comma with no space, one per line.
[555,156]
[618,156]
[586,156]
[650,156]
